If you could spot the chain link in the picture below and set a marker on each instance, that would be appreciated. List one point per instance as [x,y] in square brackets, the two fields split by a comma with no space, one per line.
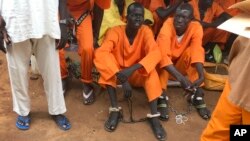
[185,113]
[181,117]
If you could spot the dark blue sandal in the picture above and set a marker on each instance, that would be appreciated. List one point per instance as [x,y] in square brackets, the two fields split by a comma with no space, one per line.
[23,122]
[62,122]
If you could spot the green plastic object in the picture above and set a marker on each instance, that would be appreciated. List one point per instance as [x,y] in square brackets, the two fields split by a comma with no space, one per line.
[217,54]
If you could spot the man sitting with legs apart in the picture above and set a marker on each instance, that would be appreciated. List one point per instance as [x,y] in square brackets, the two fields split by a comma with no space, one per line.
[180,42]
[129,54]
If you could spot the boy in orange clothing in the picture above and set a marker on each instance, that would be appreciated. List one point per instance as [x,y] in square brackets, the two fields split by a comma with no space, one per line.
[129,54]
[210,15]
[180,42]
[81,12]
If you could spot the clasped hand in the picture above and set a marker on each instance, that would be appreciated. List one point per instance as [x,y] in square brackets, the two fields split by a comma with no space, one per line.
[123,76]
[4,37]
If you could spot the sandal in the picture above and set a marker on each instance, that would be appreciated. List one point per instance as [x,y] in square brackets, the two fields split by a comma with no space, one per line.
[62,122]
[201,107]
[88,98]
[158,130]
[162,106]
[23,122]
[34,76]
[114,117]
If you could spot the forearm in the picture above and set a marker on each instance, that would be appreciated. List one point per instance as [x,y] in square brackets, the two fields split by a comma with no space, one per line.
[174,72]
[222,18]
[63,13]
[199,68]
[165,12]
[135,67]
[98,16]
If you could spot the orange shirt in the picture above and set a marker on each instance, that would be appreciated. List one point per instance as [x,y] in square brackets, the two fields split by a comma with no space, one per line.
[116,51]
[145,3]
[104,4]
[213,12]
[80,5]
[171,49]
[227,3]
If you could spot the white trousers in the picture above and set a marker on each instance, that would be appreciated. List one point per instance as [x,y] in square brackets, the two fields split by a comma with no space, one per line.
[34,66]
[18,57]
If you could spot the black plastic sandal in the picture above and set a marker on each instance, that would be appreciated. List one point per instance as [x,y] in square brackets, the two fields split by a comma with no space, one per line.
[162,106]
[160,132]
[201,107]
[114,118]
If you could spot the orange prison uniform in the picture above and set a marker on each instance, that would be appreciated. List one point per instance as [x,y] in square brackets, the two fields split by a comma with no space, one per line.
[227,3]
[111,18]
[181,54]
[104,4]
[84,33]
[211,34]
[152,5]
[145,3]
[224,114]
[116,53]
[63,64]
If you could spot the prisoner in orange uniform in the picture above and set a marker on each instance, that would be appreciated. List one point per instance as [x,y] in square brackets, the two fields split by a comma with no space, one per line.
[210,15]
[81,10]
[225,4]
[161,11]
[180,42]
[233,107]
[116,15]
[129,54]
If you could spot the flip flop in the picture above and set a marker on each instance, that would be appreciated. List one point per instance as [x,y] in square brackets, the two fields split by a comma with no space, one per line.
[89,98]
[23,122]
[62,122]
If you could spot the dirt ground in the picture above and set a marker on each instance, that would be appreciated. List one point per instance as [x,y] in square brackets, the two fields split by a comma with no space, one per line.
[88,121]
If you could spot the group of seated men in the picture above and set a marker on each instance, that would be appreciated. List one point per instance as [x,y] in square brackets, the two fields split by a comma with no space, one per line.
[145,44]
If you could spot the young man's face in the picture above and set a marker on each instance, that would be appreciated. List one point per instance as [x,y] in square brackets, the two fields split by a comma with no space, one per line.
[135,17]
[182,18]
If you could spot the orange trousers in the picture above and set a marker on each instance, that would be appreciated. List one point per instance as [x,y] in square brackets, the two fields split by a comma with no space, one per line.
[150,83]
[84,37]
[184,66]
[224,114]
[63,64]
[215,35]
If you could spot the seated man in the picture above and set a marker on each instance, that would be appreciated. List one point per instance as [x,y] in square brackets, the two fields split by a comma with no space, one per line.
[116,15]
[129,54]
[210,15]
[161,10]
[180,42]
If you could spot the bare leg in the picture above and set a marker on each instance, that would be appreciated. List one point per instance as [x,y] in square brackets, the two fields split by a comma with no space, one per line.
[114,111]
[156,126]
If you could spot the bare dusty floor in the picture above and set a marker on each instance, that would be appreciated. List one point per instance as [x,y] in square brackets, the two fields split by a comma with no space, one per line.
[88,121]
